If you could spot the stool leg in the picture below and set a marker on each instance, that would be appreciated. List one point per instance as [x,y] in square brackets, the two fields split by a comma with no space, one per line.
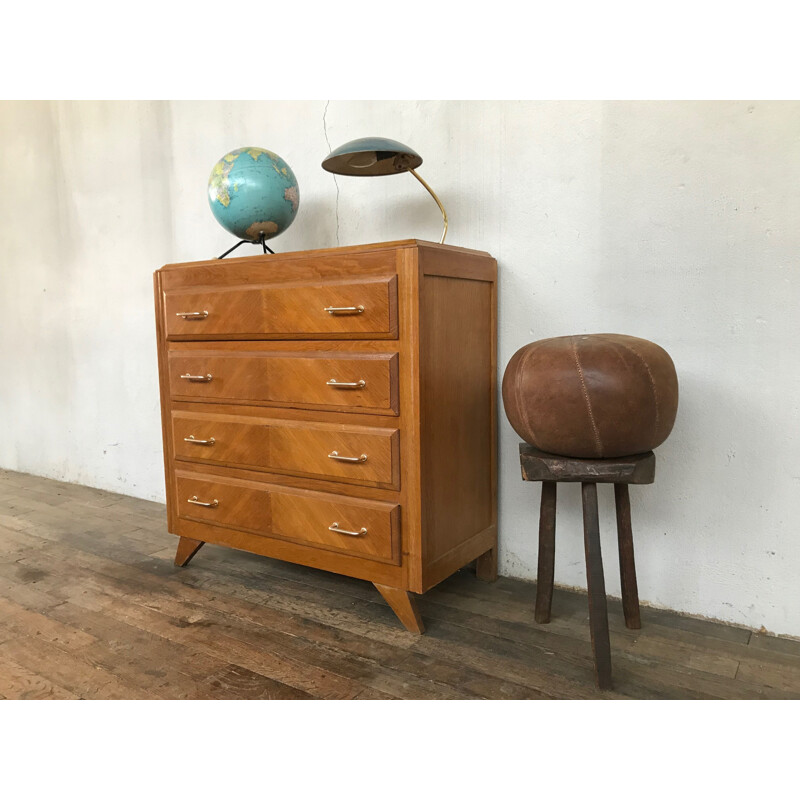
[627,565]
[547,552]
[598,609]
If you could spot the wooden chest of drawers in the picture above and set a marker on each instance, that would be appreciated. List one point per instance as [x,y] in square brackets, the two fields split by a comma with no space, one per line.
[335,408]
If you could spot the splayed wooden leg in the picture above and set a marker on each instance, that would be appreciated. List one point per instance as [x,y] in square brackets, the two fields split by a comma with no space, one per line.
[404,605]
[186,550]
[598,604]
[627,565]
[547,552]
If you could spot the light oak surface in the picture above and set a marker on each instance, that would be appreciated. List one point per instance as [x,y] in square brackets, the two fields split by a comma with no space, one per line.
[367,309]
[186,550]
[279,445]
[335,408]
[288,380]
[92,606]
[292,514]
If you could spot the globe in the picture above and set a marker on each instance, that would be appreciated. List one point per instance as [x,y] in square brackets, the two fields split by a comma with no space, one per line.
[253,193]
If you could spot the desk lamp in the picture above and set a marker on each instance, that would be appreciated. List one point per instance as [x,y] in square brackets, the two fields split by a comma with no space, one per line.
[377,156]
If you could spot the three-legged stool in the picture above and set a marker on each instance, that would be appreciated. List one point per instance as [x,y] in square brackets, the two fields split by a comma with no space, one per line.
[552,469]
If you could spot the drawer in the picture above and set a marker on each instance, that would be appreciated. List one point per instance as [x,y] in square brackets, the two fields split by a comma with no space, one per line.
[356,309]
[341,381]
[366,528]
[347,453]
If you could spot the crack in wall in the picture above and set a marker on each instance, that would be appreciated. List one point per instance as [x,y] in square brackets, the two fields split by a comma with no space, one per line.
[325,129]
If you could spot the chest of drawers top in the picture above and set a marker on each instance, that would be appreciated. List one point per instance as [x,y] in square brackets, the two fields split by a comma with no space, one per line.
[349,293]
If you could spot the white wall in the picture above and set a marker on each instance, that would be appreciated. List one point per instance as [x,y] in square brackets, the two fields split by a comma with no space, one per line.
[674,221]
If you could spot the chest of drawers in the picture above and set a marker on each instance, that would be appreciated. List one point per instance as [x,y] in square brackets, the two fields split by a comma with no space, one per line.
[334,408]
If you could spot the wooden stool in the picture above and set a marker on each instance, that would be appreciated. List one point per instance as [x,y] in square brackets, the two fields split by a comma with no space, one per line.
[551,469]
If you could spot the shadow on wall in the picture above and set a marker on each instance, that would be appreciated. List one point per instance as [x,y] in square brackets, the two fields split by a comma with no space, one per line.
[696,491]
[313,229]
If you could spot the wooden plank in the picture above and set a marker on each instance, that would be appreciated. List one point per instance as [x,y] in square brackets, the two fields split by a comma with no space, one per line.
[168,669]
[19,621]
[578,629]
[570,638]
[540,466]
[480,684]
[785,677]
[373,694]
[70,671]
[219,635]
[305,627]
[19,683]
[213,640]
[214,630]
[24,594]
[680,683]
[248,685]
[117,598]
[544,671]
[775,644]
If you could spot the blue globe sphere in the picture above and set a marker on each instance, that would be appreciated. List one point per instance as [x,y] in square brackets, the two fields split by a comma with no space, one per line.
[253,193]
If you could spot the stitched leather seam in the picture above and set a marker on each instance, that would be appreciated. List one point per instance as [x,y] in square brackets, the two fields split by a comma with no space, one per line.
[521,406]
[652,381]
[586,397]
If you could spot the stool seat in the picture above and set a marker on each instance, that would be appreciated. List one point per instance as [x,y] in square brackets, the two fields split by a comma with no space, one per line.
[540,466]
[551,470]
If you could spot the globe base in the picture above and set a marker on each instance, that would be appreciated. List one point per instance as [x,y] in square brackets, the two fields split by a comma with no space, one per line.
[262,241]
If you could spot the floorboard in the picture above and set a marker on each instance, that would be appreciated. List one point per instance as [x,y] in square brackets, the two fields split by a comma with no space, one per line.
[92,607]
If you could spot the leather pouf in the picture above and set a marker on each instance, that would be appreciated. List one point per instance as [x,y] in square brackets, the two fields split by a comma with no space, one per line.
[600,395]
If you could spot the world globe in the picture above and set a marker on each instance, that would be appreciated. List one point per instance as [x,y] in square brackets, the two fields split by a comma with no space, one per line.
[253,193]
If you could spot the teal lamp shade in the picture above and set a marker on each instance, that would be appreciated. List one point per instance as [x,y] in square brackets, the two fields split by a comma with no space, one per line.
[375,155]
[372,156]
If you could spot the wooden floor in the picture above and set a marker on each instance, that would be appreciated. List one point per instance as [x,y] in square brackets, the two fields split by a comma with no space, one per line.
[91,606]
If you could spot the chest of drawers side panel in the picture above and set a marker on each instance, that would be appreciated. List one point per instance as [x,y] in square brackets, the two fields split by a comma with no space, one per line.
[458,341]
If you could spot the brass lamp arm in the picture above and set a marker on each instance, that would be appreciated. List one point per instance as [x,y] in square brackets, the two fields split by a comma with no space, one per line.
[438,202]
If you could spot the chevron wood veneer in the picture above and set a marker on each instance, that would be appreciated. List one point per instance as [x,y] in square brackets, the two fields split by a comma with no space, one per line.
[335,408]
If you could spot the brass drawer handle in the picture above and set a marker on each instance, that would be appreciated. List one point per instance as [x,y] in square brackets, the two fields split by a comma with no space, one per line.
[195,502]
[333,311]
[192,314]
[197,378]
[340,385]
[350,459]
[190,438]
[336,529]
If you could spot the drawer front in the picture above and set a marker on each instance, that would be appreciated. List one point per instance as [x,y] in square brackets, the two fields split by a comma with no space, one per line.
[222,503]
[348,453]
[348,382]
[360,309]
[366,528]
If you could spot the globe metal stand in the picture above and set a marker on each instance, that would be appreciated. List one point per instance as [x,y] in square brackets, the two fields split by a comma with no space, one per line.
[262,241]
